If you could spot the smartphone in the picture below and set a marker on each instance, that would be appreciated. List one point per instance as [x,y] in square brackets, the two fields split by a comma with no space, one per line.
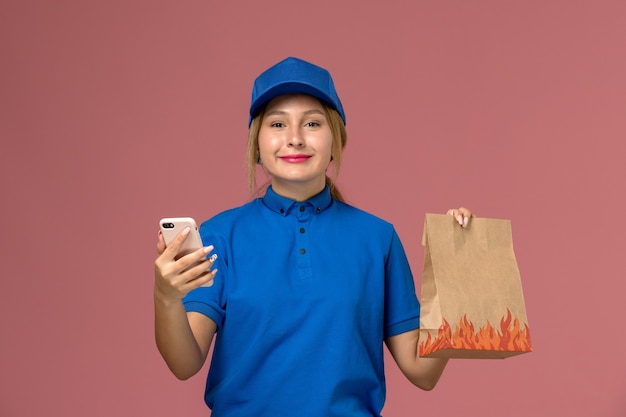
[172,226]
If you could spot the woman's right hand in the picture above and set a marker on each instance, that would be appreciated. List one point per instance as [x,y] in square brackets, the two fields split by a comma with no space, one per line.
[174,278]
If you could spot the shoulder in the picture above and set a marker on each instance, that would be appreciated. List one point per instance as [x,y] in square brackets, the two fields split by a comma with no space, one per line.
[227,218]
[362,215]
[355,216]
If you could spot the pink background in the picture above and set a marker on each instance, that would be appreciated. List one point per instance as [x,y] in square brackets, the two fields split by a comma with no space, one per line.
[114,114]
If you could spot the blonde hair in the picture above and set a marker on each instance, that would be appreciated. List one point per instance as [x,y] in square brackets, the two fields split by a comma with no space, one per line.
[340,138]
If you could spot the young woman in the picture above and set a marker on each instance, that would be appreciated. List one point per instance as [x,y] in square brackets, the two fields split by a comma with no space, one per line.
[305,289]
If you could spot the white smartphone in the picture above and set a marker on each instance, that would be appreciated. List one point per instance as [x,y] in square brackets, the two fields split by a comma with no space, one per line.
[172,226]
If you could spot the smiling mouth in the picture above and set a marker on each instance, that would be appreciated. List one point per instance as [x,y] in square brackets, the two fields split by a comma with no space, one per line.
[295,158]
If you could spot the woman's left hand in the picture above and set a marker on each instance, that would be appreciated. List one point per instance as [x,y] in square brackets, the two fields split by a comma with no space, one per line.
[462,215]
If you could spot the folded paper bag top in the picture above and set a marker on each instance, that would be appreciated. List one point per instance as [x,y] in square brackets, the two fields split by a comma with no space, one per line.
[472,299]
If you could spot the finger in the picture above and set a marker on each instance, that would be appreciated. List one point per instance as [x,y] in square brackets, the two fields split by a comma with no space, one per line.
[195,264]
[208,279]
[174,247]
[457,216]
[467,215]
[465,212]
[461,215]
[205,279]
[201,271]
[160,243]
[195,257]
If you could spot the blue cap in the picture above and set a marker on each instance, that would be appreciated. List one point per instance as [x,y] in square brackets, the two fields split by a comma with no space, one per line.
[294,76]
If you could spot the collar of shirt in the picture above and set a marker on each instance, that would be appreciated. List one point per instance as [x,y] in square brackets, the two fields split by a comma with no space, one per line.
[283,205]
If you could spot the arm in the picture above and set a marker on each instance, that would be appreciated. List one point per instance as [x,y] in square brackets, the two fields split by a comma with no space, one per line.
[183,339]
[422,372]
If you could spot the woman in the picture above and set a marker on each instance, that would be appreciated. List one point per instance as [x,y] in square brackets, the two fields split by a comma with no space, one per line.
[308,287]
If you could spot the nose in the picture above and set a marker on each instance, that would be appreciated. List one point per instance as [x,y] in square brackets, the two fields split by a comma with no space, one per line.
[296,139]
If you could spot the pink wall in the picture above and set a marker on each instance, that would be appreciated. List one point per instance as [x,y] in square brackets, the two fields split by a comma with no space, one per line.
[116,113]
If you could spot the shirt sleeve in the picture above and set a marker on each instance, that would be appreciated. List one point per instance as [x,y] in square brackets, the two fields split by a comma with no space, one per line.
[402,308]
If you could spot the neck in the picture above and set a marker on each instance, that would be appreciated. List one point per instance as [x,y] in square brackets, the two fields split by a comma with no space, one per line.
[299,191]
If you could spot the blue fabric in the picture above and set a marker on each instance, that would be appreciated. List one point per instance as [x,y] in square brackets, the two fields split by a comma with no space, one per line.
[305,294]
[291,76]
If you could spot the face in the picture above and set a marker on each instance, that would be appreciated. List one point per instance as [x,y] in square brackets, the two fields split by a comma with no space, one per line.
[295,143]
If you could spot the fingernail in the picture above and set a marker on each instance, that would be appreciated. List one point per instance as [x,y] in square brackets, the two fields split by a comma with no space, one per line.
[213,257]
[186,231]
[208,249]
[459,219]
[465,221]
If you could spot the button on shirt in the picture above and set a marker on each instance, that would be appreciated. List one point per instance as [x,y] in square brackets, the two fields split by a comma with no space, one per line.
[305,294]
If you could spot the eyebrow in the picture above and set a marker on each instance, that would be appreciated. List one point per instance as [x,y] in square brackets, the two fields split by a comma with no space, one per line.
[306,113]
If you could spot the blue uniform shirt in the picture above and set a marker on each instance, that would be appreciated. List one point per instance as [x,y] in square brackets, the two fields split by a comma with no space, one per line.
[305,294]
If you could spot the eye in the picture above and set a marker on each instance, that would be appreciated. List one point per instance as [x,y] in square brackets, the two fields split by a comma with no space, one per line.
[277,124]
[312,124]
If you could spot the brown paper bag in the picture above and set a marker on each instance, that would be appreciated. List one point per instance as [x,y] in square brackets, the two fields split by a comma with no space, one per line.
[472,300]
